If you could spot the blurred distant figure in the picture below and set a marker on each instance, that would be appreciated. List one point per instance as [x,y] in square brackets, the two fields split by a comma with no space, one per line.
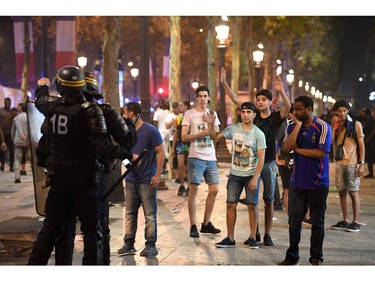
[6,118]
[368,123]
[20,137]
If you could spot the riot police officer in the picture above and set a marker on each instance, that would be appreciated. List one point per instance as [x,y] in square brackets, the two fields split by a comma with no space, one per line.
[123,132]
[76,134]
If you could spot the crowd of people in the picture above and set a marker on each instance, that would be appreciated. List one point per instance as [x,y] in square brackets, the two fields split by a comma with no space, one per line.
[82,138]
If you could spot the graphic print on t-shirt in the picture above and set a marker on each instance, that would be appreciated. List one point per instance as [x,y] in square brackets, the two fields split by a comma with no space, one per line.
[243,150]
[205,141]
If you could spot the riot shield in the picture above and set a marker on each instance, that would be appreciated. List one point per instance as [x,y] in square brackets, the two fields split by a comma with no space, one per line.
[34,121]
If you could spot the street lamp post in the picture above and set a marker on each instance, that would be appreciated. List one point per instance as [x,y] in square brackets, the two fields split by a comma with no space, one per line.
[290,80]
[222,31]
[258,58]
[134,72]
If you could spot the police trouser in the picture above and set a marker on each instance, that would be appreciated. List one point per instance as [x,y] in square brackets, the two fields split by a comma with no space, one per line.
[104,221]
[70,188]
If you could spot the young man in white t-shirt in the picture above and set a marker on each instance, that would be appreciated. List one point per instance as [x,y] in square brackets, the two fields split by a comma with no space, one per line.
[159,118]
[248,152]
[202,160]
[169,122]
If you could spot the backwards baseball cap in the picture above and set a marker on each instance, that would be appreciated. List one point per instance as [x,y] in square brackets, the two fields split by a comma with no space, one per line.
[248,105]
[341,103]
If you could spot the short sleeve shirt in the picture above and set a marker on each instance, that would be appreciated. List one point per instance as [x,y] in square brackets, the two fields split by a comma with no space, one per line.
[148,138]
[202,148]
[310,173]
[269,127]
[245,147]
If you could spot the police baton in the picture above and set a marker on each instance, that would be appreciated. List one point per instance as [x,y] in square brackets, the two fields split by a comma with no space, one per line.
[120,179]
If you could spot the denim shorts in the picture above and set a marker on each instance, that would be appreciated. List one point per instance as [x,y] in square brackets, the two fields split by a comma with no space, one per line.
[346,178]
[235,186]
[202,168]
[268,177]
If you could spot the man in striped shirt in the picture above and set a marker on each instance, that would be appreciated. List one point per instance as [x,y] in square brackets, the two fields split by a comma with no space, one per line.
[310,137]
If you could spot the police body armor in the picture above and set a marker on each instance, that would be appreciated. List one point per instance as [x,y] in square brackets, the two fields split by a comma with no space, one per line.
[68,144]
[122,132]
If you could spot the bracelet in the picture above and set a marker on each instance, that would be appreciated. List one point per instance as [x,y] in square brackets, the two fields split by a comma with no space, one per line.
[361,162]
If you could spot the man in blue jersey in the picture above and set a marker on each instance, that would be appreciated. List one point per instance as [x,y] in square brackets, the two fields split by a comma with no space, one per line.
[310,138]
[141,184]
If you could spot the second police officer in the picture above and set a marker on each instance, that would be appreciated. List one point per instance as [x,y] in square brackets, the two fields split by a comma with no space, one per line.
[76,135]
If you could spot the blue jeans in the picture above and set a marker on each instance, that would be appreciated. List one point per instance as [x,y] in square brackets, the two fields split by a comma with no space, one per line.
[268,176]
[299,202]
[135,195]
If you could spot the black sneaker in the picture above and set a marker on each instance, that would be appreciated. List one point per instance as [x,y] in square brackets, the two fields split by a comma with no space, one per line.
[288,261]
[181,190]
[354,227]
[149,251]
[226,243]
[253,244]
[194,231]
[23,173]
[257,237]
[17,181]
[306,222]
[209,228]
[341,225]
[278,207]
[126,250]
[267,241]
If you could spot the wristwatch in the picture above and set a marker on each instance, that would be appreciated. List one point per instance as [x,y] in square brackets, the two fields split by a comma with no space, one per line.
[361,162]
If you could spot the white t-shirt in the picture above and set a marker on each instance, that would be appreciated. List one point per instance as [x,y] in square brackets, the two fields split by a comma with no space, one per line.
[160,116]
[202,148]
[171,116]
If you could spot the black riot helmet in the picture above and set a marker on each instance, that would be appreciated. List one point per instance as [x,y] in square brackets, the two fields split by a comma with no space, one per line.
[69,78]
[92,85]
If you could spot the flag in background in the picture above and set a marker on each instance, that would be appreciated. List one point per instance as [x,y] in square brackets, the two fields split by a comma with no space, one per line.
[165,78]
[19,45]
[65,41]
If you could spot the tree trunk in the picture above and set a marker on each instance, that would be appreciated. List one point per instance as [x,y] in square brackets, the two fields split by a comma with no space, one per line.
[110,85]
[249,55]
[110,89]
[236,63]
[25,70]
[175,65]
[211,63]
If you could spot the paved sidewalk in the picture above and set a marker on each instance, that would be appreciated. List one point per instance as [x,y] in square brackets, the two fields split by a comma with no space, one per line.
[177,248]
